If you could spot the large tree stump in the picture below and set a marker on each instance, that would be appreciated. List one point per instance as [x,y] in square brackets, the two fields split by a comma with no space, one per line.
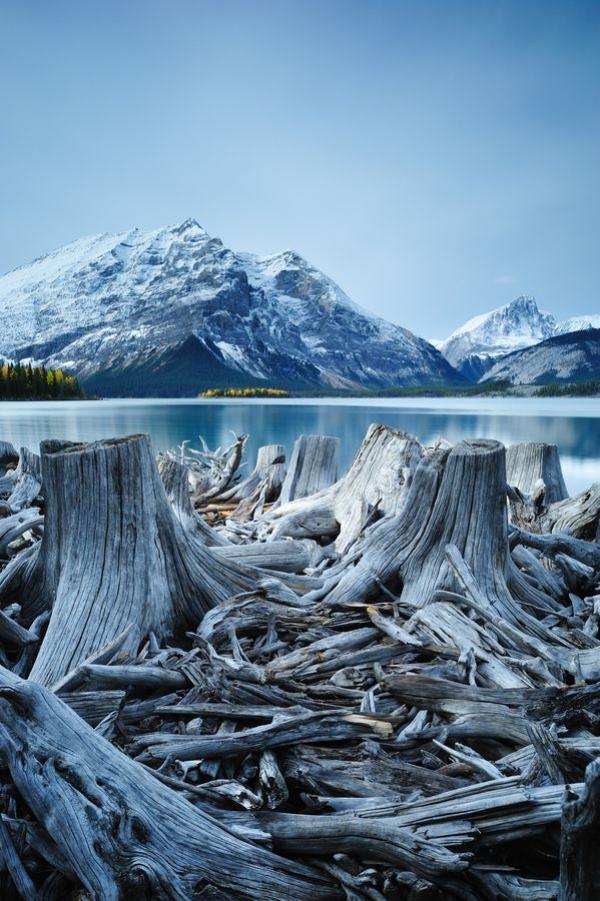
[579,857]
[113,554]
[456,498]
[119,830]
[377,481]
[313,466]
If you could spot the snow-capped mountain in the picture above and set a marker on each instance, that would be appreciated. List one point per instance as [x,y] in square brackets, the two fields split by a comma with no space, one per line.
[475,346]
[578,324]
[175,311]
[572,356]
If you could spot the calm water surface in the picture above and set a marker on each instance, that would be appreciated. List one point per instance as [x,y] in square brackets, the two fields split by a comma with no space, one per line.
[573,424]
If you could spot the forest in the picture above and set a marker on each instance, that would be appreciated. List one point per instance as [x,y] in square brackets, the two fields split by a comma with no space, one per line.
[27,382]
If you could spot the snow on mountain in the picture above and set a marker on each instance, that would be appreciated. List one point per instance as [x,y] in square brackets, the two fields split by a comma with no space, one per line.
[174,311]
[577,324]
[475,346]
[573,356]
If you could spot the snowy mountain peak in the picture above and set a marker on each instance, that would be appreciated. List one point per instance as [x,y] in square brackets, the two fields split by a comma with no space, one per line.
[474,346]
[173,310]
[578,324]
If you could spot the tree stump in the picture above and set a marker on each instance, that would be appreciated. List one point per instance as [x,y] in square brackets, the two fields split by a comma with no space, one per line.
[113,554]
[456,498]
[377,481]
[313,466]
[528,463]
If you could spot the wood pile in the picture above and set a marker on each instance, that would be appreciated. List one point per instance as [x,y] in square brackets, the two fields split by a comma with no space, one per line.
[385,686]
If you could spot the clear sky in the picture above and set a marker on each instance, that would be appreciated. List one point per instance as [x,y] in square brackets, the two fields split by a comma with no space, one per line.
[437,157]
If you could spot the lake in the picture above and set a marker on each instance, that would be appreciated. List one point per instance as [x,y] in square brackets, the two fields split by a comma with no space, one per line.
[571,423]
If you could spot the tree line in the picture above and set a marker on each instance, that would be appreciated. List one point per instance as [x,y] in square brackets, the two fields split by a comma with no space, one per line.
[244,392]
[36,383]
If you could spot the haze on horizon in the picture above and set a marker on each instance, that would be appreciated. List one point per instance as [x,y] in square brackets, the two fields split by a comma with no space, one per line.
[436,159]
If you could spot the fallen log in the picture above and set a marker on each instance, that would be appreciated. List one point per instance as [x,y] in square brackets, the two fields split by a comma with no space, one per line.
[123,833]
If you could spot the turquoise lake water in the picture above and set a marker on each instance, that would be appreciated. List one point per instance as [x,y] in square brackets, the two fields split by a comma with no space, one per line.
[572,424]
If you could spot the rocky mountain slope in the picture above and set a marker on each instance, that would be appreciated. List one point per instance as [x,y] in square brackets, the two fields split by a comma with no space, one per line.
[174,311]
[475,346]
[574,356]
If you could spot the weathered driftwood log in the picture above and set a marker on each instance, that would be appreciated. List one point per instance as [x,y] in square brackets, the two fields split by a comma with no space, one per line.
[12,527]
[266,478]
[113,554]
[119,830]
[375,483]
[28,481]
[176,482]
[313,466]
[281,556]
[579,858]
[579,515]
[221,469]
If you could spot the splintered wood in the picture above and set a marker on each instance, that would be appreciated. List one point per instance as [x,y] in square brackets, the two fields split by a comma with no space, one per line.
[282,686]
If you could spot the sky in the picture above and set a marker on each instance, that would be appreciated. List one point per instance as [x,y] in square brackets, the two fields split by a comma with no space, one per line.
[437,158]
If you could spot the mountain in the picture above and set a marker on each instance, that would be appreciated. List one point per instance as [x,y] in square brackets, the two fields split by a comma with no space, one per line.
[475,346]
[174,311]
[577,324]
[573,357]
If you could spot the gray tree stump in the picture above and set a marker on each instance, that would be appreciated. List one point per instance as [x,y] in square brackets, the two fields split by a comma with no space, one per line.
[266,478]
[457,498]
[528,463]
[113,554]
[378,479]
[313,466]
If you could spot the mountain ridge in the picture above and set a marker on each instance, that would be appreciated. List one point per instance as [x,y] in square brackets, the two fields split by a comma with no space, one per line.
[476,347]
[567,357]
[110,307]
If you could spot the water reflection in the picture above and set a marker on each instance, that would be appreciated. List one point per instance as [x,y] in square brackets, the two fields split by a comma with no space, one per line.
[573,425]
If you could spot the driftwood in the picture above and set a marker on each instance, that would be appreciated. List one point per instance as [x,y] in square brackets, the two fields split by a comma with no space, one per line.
[407,706]
[375,484]
[266,478]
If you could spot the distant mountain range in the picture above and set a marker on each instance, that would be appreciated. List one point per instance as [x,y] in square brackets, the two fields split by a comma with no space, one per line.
[478,348]
[568,357]
[174,312]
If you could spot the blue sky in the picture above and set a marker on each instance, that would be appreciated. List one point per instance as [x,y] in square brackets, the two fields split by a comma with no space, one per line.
[437,158]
